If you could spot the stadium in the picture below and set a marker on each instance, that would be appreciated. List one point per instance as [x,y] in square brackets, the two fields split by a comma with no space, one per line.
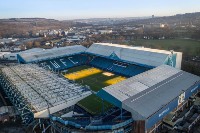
[103,88]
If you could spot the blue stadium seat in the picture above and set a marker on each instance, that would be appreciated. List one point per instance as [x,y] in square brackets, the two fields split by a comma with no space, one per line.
[65,62]
[118,67]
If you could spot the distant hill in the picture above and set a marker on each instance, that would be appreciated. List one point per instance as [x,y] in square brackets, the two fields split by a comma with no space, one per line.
[16,27]
[192,18]
[26,20]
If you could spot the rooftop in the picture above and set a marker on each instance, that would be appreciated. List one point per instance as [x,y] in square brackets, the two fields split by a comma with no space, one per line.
[43,89]
[51,53]
[139,55]
[148,92]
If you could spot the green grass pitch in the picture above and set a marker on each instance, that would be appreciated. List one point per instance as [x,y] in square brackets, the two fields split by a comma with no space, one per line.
[96,82]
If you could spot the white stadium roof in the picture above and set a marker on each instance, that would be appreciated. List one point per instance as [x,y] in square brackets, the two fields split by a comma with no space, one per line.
[137,55]
[147,92]
[140,55]
[136,84]
[44,90]
[51,53]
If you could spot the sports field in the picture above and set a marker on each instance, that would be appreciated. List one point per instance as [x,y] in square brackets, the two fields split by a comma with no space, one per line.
[187,46]
[96,79]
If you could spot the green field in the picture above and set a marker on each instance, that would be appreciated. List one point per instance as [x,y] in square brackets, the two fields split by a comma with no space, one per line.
[96,82]
[187,46]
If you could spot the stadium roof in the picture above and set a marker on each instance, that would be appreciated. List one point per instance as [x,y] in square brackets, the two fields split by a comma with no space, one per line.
[51,53]
[26,51]
[43,90]
[32,50]
[140,55]
[147,92]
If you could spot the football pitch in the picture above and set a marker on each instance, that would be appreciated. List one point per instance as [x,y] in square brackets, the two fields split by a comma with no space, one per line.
[96,79]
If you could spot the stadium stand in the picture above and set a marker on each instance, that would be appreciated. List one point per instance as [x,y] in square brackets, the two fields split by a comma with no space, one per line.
[97,62]
[36,93]
[137,55]
[151,95]
[64,62]
[121,68]
[140,103]
[49,54]
[110,120]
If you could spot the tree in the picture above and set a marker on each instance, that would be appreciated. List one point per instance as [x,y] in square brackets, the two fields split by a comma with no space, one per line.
[11,44]
[197,51]
[29,45]
[36,44]
[120,39]
[1,45]
[196,34]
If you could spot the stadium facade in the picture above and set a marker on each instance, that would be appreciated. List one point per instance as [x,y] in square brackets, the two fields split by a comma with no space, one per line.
[155,87]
